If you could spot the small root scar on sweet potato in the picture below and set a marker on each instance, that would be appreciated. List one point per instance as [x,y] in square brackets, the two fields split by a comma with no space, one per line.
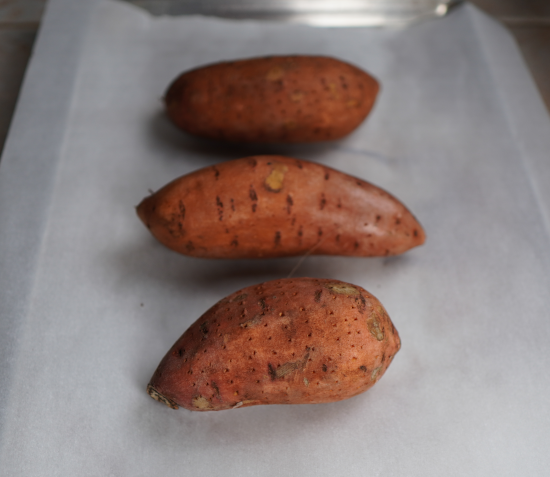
[343,288]
[160,398]
[275,74]
[274,181]
[374,328]
[201,402]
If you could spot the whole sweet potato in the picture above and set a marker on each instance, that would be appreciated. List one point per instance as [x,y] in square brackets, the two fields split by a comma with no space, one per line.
[292,341]
[274,206]
[274,99]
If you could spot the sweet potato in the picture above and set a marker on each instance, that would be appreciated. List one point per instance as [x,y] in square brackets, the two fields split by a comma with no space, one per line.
[291,341]
[275,206]
[274,99]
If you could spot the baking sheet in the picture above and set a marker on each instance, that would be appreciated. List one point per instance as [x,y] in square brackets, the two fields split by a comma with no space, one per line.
[90,302]
[344,13]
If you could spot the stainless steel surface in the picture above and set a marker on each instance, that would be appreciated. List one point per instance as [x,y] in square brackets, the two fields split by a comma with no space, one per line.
[346,13]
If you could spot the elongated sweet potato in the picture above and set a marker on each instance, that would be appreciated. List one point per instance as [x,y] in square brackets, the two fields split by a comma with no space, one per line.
[292,341]
[275,206]
[274,99]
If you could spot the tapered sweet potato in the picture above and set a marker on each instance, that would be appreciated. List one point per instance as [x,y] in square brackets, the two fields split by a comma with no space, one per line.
[275,206]
[291,341]
[274,99]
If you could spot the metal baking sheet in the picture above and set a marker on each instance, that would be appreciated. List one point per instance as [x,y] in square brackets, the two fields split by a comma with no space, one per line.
[89,302]
[343,13]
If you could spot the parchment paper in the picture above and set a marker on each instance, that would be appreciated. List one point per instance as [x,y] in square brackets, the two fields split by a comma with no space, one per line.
[458,133]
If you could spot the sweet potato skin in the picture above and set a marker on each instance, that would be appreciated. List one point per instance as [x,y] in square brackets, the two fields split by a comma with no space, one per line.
[273,99]
[276,206]
[290,341]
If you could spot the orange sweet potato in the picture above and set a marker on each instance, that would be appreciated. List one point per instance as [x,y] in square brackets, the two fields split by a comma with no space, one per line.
[274,99]
[275,206]
[292,341]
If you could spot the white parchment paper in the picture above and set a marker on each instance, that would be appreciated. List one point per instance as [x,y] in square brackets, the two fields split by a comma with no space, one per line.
[468,392]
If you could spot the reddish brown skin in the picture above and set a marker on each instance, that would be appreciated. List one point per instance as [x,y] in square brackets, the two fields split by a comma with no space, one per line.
[275,206]
[291,341]
[275,99]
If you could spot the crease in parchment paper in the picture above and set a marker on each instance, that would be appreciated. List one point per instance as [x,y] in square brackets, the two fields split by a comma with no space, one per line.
[495,46]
